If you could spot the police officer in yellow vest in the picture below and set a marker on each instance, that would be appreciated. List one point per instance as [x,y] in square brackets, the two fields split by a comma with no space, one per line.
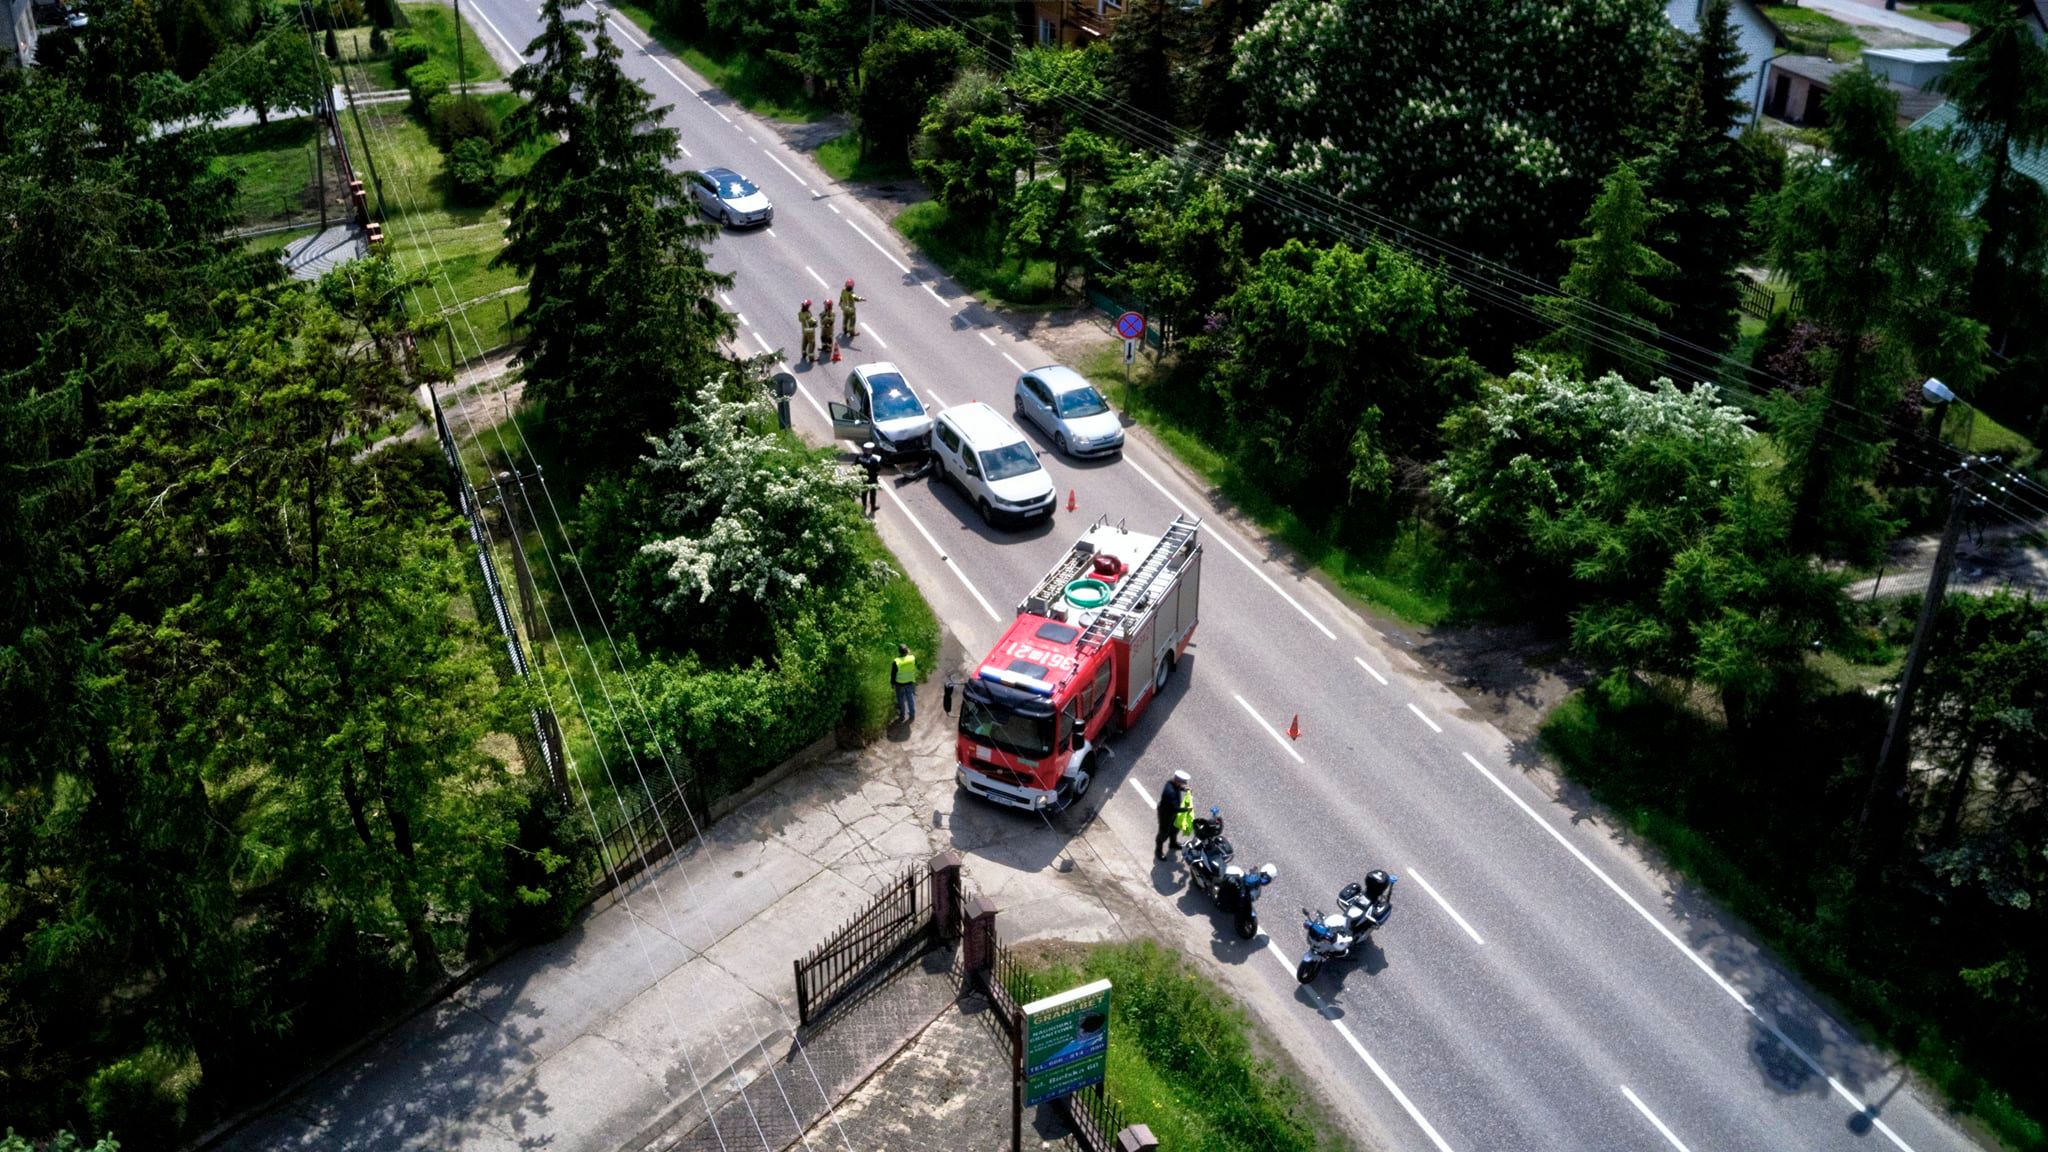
[903,675]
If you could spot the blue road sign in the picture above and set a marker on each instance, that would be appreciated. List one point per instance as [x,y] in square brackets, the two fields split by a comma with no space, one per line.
[1130,325]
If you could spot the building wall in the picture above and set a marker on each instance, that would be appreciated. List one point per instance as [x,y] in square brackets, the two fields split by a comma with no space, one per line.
[1753,32]
[1911,73]
[21,33]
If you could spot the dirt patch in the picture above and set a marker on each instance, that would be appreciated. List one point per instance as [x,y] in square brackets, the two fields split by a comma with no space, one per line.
[1510,675]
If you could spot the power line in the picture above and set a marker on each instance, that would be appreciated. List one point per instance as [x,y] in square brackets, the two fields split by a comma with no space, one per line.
[1479,280]
[414,231]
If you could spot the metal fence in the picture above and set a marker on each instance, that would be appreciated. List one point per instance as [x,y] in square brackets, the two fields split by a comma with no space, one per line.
[643,835]
[1757,300]
[900,916]
[1096,1117]
[546,736]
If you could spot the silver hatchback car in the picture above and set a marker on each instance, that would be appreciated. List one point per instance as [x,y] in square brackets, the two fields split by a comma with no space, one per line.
[730,198]
[1066,407]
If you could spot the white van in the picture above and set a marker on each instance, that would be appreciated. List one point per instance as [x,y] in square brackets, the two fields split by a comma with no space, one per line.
[992,464]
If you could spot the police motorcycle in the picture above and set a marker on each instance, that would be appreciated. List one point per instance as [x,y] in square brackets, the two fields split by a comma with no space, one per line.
[1363,908]
[1207,856]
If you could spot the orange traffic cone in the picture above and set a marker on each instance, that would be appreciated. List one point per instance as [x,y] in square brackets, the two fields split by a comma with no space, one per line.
[1294,727]
[1071,502]
[835,351]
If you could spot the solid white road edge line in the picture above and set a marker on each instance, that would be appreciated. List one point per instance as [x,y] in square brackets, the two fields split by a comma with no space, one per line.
[1652,1118]
[769,153]
[1424,717]
[1369,668]
[502,38]
[1380,1073]
[891,256]
[1270,730]
[943,558]
[1013,362]
[1697,960]
[1241,558]
[656,61]
[1443,904]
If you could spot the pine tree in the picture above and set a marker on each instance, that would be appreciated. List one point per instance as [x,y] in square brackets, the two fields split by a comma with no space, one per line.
[1696,175]
[1607,314]
[592,281]
[2000,88]
[1140,72]
[1877,244]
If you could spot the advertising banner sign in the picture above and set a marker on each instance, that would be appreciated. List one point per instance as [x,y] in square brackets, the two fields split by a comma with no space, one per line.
[1066,1042]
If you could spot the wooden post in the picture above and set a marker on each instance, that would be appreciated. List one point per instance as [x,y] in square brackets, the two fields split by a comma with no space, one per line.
[1892,756]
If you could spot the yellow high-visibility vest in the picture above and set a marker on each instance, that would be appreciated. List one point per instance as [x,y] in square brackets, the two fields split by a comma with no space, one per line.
[905,671]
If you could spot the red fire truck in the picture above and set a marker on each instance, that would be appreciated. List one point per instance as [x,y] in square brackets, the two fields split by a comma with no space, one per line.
[1091,647]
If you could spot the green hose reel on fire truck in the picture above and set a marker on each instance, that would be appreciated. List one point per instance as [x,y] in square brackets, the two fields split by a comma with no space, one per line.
[1087,594]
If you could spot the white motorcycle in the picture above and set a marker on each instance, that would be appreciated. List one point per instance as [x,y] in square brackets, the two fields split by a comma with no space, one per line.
[1365,907]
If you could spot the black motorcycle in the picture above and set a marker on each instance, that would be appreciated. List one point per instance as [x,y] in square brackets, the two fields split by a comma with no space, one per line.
[1365,907]
[1207,856]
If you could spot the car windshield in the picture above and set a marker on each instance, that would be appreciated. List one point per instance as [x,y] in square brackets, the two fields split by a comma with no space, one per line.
[734,187]
[893,398]
[1009,460]
[1026,736]
[1082,402]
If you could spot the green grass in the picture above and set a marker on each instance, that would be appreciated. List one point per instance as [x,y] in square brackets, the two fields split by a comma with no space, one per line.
[369,73]
[273,168]
[1183,1059]
[436,25]
[1944,11]
[967,257]
[906,619]
[762,87]
[840,158]
[1772,842]
[423,232]
[1810,32]
[1973,430]
[275,241]
[1408,573]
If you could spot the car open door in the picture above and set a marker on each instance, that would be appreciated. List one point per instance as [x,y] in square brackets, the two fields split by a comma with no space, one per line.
[848,424]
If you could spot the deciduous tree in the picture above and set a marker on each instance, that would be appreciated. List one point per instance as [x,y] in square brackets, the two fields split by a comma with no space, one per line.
[1479,123]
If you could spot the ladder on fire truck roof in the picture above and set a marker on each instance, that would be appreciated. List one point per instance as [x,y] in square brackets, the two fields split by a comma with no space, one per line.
[1134,584]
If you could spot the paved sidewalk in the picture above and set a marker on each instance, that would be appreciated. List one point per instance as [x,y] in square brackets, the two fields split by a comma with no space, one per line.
[949,1088]
[675,997]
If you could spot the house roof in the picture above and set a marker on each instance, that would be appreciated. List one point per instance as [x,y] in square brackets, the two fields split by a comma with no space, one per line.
[1694,9]
[2033,165]
[1910,55]
[1914,103]
[1818,69]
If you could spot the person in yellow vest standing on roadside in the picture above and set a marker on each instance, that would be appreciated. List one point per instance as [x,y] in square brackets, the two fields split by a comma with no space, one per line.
[903,676]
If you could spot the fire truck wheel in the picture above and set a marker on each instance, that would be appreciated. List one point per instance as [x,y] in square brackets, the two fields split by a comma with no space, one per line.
[1165,672]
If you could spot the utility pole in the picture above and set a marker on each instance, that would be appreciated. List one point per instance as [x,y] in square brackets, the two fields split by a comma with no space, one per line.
[1891,756]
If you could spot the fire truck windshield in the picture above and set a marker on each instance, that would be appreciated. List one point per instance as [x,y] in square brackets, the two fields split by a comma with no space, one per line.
[991,724]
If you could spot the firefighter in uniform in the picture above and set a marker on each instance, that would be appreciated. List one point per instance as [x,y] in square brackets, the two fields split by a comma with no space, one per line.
[825,332]
[809,324]
[847,300]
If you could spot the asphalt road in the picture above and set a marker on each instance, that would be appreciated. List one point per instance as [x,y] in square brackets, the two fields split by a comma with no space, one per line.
[1538,988]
